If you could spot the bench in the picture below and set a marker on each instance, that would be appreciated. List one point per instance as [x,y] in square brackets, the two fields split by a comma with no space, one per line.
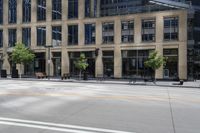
[100,77]
[180,83]
[40,75]
[65,76]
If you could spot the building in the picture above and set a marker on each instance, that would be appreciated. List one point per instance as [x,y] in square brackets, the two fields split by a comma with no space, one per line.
[115,35]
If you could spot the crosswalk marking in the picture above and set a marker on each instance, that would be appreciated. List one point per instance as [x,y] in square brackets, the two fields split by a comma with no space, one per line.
[55,126]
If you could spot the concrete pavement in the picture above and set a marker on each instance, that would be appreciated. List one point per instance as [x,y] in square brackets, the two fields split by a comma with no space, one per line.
[24,105]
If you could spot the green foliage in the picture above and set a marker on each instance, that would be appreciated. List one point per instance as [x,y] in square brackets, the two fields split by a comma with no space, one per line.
[21,54]
[155,61]
[81,63]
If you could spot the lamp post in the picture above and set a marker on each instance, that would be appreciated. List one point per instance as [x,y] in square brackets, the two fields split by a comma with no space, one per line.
[49,59]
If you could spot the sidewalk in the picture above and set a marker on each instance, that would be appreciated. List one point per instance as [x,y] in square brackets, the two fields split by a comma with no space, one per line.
[186,84]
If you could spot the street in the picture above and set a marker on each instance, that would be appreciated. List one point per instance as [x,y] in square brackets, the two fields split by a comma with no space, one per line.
[56,107]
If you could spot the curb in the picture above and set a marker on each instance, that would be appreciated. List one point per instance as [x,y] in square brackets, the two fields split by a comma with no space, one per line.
[101,82]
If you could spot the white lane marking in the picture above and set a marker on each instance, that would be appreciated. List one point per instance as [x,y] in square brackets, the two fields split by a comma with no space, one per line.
[41,127]
[53,126]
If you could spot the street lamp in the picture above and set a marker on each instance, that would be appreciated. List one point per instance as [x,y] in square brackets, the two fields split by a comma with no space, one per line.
[49,59]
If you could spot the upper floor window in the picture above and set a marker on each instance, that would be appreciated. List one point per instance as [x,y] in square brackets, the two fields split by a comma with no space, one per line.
[56,9]
[41,36]
[12,37]
[1,11]
[127,29]
[171,28]
[72,9]
[41,10]
[90,34]
[90,8]
[108,32]
[148,30]
[1,38]
[12,11]
[73,34]
[26,10]
[56,35]
[26,36]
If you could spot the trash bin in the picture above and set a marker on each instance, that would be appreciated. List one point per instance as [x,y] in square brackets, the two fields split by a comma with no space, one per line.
[3,73]
[85,76]
[15,73]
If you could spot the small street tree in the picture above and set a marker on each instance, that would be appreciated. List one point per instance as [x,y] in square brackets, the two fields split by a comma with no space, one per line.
[21,55]
[81,64]
[155,61]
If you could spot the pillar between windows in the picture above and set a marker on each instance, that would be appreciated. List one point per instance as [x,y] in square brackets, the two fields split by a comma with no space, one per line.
[81,9]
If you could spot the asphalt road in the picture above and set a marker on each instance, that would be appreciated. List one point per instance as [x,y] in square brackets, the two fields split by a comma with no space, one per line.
[56,107]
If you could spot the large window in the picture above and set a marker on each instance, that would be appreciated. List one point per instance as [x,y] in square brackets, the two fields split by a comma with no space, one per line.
[90,8]
[1,11]
[26,36]
[72,9]
[108,32]
[26,10]
[41,36]
[127,31]
[90,34]
[56,35]
[148,30]
[41,10]
[171,28]
[12,11]
[1,38]
[73,34]
[12,37]
[56,9]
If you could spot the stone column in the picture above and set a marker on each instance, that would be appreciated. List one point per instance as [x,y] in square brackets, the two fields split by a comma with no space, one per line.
[33,37]
[159,45]
[64,10]
[182,59]
[19,34]
[99,61]
[81,9]
[49,43]
[98,8]
[48,10]
[19,11]
[65,56]
[137,30]
[5,12]
[81,34]
[117,50]
[6,64]
[33,11]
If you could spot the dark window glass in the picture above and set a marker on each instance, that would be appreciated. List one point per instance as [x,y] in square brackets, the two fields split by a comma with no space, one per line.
[1,38]
[72,9]
[12,37]
[56,35]
[127,28]
[26,36]
[26,10]
[1,11]
[41,10]
[90,8]
[171,28]
[12,11]
[148,30]
[73,34]
[108,33]
[56,9]
[90,34]
[41,36]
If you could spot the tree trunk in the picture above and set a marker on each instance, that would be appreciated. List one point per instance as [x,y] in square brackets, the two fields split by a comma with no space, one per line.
[80,75]
[20,69]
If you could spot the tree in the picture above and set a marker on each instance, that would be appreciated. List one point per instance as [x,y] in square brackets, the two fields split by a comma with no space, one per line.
[21,55]
[155,61]
[81,64]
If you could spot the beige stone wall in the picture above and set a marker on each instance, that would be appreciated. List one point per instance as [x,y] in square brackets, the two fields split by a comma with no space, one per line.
[116,47]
